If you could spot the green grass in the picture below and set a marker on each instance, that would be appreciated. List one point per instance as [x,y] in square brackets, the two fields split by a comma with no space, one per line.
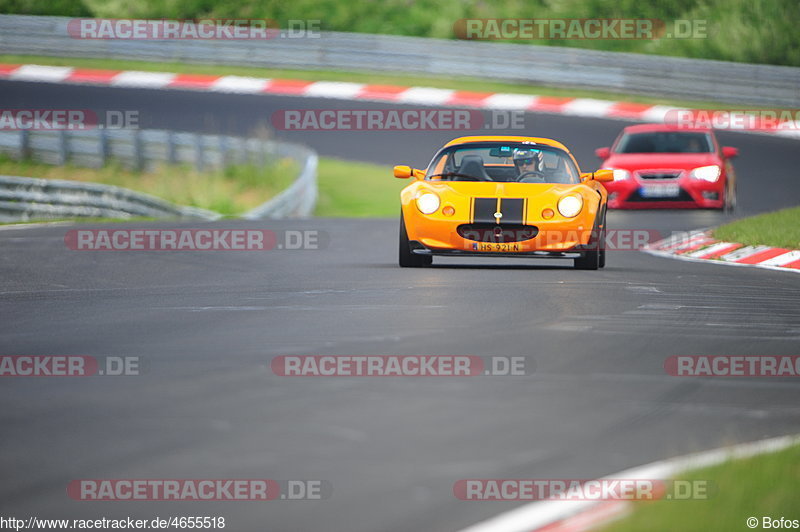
[764,485]
[762,31]
[346,188]
[450,82]
[779,229]
[230,191]
[356,189]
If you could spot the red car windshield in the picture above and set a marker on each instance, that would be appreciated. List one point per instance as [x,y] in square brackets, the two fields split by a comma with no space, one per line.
[665,142]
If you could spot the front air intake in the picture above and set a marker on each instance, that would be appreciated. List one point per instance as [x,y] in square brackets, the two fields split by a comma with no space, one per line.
[497,234]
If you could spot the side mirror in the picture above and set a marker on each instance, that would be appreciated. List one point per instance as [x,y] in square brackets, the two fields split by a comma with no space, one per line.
[729,152]
[603,153]
[603,175]
[403,172]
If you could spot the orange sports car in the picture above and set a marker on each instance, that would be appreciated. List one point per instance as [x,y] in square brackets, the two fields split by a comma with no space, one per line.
[503,196]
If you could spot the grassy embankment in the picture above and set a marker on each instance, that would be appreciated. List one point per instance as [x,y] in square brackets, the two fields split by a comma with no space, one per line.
[779,229]
[764,485]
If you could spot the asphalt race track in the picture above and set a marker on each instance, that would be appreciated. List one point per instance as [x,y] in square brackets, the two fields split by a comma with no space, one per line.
[207,324]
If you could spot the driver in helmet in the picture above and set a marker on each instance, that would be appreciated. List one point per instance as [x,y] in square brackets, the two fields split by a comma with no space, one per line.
[527,161]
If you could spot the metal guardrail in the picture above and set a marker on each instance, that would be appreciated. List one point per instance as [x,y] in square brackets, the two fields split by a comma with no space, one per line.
[133,148]
[544,65]
[297,200]
[29,198]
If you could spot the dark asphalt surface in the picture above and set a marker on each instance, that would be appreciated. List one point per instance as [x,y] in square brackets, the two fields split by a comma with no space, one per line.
[207,324]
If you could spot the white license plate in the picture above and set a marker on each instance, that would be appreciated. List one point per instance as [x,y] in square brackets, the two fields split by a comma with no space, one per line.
[501,247]
[661,191]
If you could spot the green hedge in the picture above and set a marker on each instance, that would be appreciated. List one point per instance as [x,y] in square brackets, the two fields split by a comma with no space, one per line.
[754,31]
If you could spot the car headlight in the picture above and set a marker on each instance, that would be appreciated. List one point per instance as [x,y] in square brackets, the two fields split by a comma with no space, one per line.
[570,206]
[621,175]
[427,203]
[707,173]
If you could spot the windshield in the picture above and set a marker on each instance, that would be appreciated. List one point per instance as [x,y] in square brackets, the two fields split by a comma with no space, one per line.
[665,142]
[504,162]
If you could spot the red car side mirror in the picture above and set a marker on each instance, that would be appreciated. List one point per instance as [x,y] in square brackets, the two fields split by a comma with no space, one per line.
[603,153]
[729,152]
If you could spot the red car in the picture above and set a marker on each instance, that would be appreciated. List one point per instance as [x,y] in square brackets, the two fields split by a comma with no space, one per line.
[670,167]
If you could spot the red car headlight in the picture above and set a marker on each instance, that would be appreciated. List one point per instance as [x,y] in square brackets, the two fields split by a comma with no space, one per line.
[621,175]
[707,173]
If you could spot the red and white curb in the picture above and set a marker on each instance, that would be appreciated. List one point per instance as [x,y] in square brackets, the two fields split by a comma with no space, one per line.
[699,246]
[586,107]
[576,516]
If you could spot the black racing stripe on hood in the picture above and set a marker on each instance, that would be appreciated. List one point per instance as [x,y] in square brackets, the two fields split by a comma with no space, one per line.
[513,210]
[483,210]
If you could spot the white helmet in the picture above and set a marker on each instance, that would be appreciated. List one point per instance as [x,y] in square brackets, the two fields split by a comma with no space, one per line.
[525,156]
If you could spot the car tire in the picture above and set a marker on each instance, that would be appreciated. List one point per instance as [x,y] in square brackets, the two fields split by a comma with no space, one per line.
[406,258]
[589,261]
[601,263]
[592,257]
[602,243]
[730,201]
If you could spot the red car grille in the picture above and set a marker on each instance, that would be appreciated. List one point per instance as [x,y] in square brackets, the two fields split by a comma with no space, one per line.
[659,175]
